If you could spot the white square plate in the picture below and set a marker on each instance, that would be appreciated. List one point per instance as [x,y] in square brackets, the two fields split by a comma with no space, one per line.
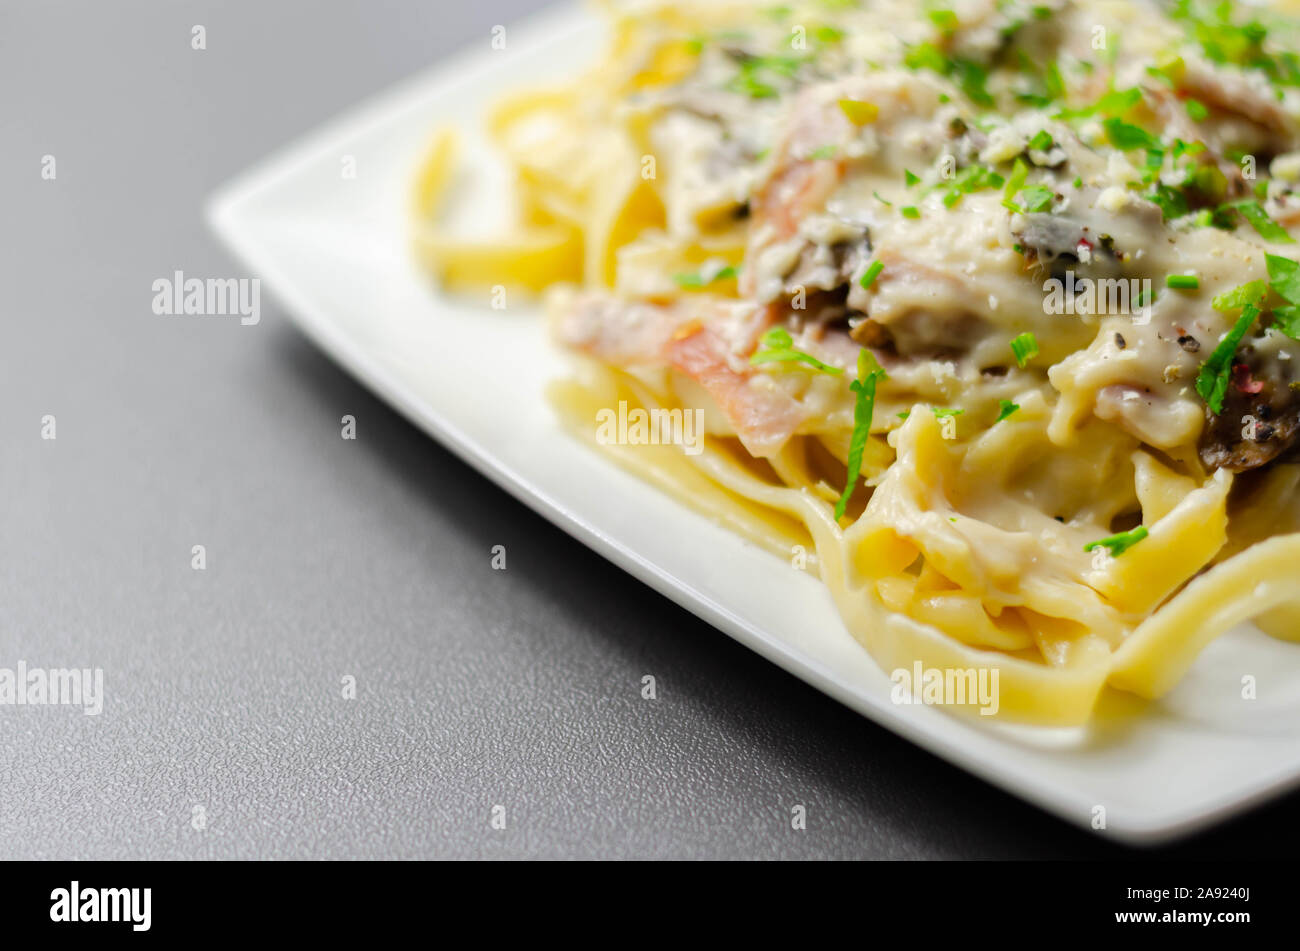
[336,252]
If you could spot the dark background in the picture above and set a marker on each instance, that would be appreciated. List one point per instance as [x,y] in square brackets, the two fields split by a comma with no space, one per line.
[328,558]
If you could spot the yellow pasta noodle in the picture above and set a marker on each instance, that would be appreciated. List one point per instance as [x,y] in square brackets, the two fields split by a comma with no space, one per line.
[986,328]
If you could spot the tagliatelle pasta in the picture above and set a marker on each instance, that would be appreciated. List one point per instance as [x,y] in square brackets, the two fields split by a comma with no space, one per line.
[987,311]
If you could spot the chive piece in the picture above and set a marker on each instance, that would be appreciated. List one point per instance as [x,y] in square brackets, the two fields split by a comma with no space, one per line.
[864,388]
[1005,409]
[1212,381]
[942,413]
[881,199]
[1118,544]
[872,273]
[910,211]
[1024,348]
[1182,282]
[780,349]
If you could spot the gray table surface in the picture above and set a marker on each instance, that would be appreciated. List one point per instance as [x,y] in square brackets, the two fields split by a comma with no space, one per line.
[329,558]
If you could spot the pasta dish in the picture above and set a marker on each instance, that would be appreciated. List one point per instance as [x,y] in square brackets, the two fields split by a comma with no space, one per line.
[984,311]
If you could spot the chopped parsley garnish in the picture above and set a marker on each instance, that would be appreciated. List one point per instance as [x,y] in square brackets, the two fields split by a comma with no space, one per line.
[1216,372]
[1042,141]
[750,81]
[1126,137]
[864,389]
[825,152]
[696,281]
[1118,544]
[1268,229]
[779,348]
[1115,103]
[1035,198]
[1019,172]
[1005,409]
[1171,201]
[750,85]
[973,178]
[1252,292]
[926,56]
[1196,109]
[910,211]
[945,20]
[968,74]
[871,274]
[1284,276]
[909,179]
[1287,320]
[1182,282]
[942,413]
[1024,348]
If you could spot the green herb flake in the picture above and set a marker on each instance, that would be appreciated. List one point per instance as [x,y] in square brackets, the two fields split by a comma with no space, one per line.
[1252,292]
[871,274]
[1024,348]
[778,347]
[1127,137]
[945,20]
[1258,218]
[1212,380]
[864,389]
[1036,198]
[1284,276]
[1118,544]
[697,281]
[1005,409]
